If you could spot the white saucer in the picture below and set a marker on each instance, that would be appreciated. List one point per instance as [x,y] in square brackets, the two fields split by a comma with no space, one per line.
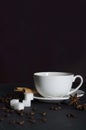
[79,93]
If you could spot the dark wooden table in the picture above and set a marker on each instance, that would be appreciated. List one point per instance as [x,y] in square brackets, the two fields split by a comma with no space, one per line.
[41,115]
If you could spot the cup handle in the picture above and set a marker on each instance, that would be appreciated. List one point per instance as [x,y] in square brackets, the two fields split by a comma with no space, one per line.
[74,90]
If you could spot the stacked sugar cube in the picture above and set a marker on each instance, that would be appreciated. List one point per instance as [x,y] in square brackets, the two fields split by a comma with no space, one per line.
[28,97]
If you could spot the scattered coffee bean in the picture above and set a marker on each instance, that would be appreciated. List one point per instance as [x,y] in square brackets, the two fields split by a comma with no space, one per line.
[3,108]
[34,109]
[20,122]
[55,108]
[43,113]
[32,113]
[7,110]
[43,120]
[70,115]
[31,117]
[20,113]
[81,107]
[32,121]
[12,122]
[1,118]
[84,105]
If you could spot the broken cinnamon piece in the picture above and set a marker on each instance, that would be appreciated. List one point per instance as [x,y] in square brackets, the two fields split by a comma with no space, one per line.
[24,89]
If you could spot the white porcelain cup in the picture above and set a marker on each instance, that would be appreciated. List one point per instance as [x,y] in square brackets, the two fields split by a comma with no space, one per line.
[55,84]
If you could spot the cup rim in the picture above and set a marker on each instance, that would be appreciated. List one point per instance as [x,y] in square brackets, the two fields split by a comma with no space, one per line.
[53,73]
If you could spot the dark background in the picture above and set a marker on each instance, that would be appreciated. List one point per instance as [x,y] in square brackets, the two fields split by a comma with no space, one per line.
[40,35]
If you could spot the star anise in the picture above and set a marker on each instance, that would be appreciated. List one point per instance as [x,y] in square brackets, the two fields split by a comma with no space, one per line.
[74,100]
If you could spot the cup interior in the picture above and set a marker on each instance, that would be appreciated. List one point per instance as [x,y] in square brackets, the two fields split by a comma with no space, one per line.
[52,74]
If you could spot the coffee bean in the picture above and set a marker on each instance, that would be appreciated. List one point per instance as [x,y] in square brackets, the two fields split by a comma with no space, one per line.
[70,115]
[52,107]
[34,109]
[31,117]
[32,113]
[32,120]
[1,118]
[12,122]
[43,113]
[20,122]
[55,108]
[43,120]
[20,113]
[3,108]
